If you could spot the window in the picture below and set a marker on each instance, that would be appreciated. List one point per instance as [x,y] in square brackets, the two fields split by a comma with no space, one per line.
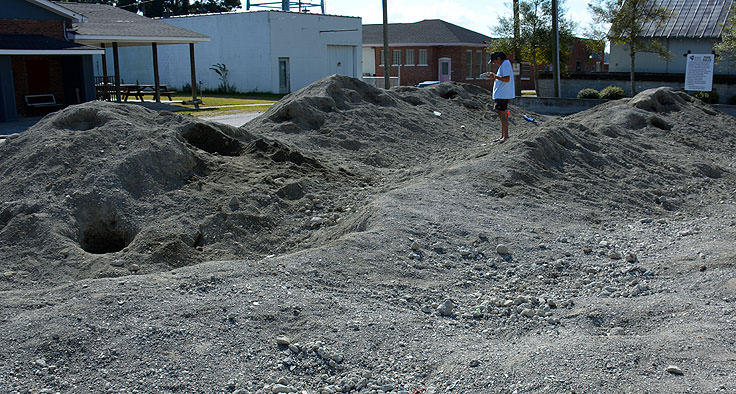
[396,58]
[410,57]
[468,64]
[478,63]
[422,57]
[489,65]
[382,58]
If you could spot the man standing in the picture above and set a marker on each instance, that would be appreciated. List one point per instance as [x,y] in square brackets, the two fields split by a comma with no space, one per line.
[503,91]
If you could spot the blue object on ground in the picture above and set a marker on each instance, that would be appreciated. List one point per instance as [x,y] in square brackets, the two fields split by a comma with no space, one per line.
[530,119]
[427,83]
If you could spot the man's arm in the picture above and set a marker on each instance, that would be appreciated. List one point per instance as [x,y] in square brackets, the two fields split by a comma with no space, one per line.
[503,79]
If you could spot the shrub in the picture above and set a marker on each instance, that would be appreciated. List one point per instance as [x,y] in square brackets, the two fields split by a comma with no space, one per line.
[612,93]
[732,100]
[588,93]
[707,97]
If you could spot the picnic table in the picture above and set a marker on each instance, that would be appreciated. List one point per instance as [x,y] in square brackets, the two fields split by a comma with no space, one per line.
[107,91]
[138,91]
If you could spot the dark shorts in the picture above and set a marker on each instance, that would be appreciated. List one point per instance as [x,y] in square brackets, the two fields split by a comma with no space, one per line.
[501,104]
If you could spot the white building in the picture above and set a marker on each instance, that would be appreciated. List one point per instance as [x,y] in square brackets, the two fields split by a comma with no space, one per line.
[264,51]
[692,27]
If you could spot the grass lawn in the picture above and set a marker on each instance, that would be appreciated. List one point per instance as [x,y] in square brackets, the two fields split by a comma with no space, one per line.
[224,110]
[528,93]
[225,104]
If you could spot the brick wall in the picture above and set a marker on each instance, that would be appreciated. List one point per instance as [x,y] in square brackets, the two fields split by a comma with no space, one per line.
[22,84]
[53,29]
[414,74]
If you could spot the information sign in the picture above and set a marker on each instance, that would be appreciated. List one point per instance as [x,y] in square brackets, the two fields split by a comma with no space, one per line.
[699,72]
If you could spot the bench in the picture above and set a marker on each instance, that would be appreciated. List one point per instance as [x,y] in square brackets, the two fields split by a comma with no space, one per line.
[162,93]
[41,100]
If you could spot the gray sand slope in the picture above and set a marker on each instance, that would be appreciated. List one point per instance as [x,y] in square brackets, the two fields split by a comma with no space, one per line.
[347,241]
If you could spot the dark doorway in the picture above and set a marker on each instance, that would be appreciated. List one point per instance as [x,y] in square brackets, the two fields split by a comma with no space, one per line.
[38,72]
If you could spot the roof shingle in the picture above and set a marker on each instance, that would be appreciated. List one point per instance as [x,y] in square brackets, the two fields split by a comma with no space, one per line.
[430,31]
[690,19]
[106,20]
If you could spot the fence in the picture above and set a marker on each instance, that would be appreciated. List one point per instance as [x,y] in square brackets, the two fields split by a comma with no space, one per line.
[379,83]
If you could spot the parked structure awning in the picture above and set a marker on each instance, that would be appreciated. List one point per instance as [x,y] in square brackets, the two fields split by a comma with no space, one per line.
[108,24]
[31,44]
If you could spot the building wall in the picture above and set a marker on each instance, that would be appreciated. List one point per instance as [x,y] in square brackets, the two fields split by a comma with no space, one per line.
[315,44]
[412,74]
[250,45]
[48,28]
[620,61]
[21,9]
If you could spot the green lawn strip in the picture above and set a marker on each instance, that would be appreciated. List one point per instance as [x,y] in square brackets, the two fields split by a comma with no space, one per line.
[225,111]
[238,99]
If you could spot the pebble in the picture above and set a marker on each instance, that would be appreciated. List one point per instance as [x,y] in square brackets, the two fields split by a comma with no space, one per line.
[675,370]
[134,268]
[474,363]
[283,340]
[527,312]
[614,255]
[446,309]
[617,331]
[280,388]
[415,245]
[316,221]
[118,263]
[502,249]
[631,258]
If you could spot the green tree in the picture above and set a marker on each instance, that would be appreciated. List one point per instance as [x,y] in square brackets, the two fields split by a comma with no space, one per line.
[726,48]
[157,8]
[627,19]
[535,34]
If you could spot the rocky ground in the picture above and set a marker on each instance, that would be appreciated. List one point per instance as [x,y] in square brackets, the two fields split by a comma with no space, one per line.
[355,240]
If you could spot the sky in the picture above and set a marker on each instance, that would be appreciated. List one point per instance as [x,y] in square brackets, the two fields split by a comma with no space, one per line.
[477,15]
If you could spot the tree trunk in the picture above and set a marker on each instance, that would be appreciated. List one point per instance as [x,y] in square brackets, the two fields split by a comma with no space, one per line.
[536,72]
[632,54]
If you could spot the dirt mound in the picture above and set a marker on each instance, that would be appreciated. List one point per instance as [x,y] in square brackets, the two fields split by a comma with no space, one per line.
[371,241]
[343,119]
[646,154]
[104,190]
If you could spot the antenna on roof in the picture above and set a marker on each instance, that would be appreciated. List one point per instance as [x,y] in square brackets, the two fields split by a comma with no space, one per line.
[285,5]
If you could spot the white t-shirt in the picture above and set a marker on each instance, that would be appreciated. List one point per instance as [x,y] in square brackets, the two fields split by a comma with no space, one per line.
[504,90]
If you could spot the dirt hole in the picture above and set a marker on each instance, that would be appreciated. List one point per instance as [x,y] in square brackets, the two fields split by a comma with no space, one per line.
[211,140]
[105,234]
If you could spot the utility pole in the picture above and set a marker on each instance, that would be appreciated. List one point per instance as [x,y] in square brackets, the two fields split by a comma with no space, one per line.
[517,50]
[556,49]
[386,55]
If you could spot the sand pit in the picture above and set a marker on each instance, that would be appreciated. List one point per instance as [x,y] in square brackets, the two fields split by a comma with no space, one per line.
[347,240]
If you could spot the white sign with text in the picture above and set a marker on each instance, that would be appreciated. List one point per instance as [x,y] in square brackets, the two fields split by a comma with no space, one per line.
[699,72]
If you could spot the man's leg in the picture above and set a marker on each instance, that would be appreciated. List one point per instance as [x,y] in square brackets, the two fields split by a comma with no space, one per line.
[504,116]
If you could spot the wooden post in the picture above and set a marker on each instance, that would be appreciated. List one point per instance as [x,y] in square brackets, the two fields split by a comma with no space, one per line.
[194,75]
[104,73]
[116,62]
[156,82]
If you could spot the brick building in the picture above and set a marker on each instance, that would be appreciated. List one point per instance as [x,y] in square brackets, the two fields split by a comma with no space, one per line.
[40,68]
[430,50]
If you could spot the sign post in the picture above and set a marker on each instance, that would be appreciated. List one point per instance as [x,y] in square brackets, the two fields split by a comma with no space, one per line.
[699,72]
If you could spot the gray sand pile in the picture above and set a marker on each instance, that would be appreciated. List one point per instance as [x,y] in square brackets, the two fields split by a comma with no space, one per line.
[357,240]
